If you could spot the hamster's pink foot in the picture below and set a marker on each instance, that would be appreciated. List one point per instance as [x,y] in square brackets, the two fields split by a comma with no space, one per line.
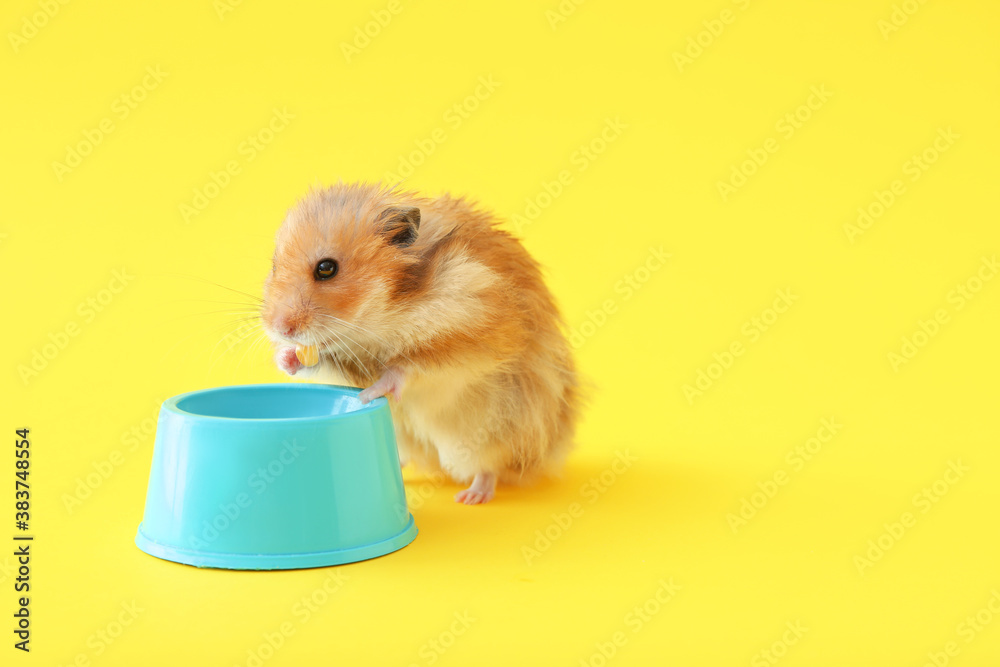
[481,491]
[287,361]
[391,382]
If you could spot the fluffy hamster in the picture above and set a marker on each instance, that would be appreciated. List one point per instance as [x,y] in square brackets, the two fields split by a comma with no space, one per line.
[429,302]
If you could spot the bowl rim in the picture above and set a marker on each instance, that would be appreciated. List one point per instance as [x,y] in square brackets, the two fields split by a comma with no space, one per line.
[170,405]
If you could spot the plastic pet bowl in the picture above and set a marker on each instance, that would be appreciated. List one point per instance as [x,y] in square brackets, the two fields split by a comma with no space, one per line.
[274,476]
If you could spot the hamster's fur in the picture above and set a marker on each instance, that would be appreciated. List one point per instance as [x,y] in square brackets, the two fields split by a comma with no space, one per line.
[432,304]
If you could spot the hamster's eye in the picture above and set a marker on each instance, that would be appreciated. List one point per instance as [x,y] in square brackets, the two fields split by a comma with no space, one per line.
[326,269]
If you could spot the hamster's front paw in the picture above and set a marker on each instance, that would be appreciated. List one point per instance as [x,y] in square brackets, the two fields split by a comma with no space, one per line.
[391,382]
[287,361]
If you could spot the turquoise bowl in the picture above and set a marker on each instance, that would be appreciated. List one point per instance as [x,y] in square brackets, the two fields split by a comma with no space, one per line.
[272,477]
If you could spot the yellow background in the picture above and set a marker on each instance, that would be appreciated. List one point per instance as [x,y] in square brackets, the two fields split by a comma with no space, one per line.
[654,185]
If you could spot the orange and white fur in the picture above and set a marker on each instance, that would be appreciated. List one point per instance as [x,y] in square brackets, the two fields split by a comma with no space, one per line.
[431,304]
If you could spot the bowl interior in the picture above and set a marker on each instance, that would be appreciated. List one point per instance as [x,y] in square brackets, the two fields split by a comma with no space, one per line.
[281,401]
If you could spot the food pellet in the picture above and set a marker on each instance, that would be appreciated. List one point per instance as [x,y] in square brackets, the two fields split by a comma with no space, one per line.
[307,355]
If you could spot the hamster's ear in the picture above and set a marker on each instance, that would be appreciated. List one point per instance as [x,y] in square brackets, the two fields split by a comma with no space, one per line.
[399,225]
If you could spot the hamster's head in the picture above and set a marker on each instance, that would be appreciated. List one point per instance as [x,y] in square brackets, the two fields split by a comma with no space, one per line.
[343,259]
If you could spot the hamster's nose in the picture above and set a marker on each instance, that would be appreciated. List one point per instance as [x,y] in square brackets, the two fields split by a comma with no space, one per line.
[286,326]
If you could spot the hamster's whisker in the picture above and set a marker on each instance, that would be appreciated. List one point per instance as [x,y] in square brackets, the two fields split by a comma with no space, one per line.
[352,325]
[360,329]
[256,298]
[242,337]
[370,353]
[243,315]
[255,344]
[346,348]
[245,353]
[258,335]
[340,367]
[245,304]
[329,341]
[228,325]
[232,346]
[344,335]
[343,346]
[230,311]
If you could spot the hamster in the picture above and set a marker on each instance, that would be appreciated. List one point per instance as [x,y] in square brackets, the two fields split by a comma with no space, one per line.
[428,302]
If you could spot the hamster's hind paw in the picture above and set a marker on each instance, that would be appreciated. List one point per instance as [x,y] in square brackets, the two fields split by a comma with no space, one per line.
[481,491]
